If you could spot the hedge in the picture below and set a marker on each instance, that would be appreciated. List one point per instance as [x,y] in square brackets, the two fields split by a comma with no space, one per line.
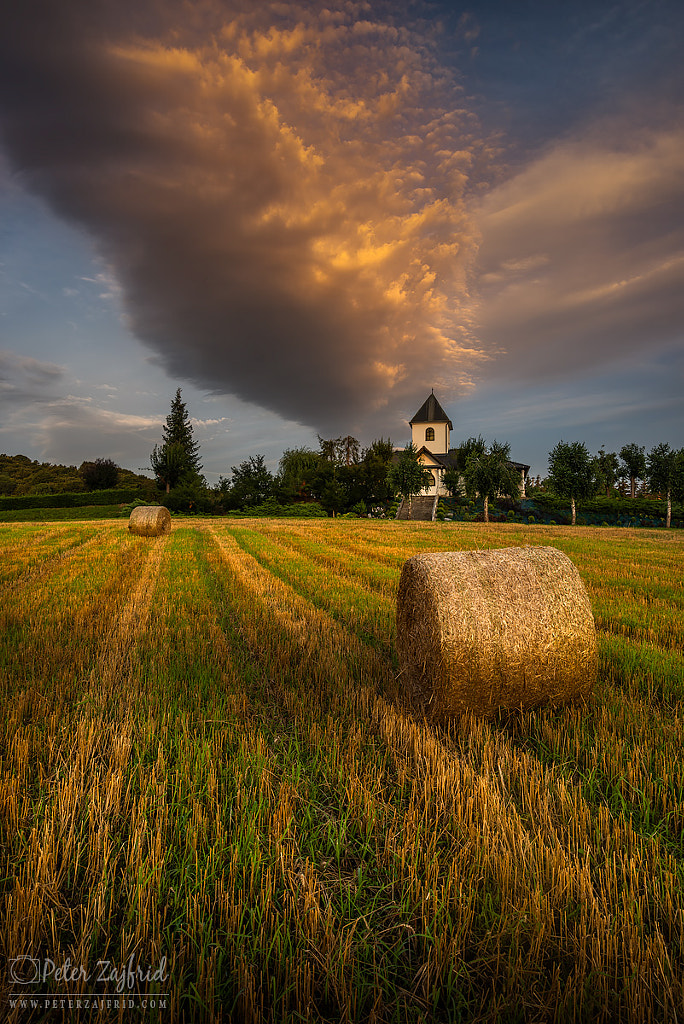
[300,510]
[629,507]
[60,515]
[74,499]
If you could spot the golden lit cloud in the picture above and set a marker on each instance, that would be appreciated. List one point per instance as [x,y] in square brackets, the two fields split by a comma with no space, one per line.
[282,196]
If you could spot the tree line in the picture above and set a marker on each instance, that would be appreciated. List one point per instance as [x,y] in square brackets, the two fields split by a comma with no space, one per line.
[21,476]
[342,476]
[575,474]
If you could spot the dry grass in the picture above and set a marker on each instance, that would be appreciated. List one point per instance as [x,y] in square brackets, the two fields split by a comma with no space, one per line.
[484,630]
[203,756]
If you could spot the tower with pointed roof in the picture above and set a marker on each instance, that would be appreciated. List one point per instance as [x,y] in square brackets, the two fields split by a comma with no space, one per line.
[430,427]
[431,436]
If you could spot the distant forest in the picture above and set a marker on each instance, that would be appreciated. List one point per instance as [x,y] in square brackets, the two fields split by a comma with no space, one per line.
[20,475]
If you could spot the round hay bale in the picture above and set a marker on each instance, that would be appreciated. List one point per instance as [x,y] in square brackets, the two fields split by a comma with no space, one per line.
[149,520]
[481,630]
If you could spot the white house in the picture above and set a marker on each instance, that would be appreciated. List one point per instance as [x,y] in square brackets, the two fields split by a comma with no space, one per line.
[430,435]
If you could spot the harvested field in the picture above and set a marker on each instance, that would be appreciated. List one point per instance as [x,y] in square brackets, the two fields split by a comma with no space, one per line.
[206,765]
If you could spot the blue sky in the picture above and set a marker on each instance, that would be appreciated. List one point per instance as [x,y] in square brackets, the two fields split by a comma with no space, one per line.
[306,216]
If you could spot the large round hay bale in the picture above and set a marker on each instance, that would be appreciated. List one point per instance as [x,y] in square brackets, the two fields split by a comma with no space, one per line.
[149,520]
[481,630]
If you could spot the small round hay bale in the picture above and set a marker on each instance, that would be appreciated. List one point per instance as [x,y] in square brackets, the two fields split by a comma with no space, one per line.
[149,520]
[481,630]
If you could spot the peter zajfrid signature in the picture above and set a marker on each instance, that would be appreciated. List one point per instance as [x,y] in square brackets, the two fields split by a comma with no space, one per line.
[125,976]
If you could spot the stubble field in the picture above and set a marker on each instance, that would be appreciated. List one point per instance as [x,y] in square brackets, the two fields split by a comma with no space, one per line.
[207,771]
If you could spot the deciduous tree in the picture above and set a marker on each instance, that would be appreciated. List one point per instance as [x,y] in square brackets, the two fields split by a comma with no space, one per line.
[665,474]
[571,473]
[407,476]
[252,483]
[473,446]
[100,474]
[633,464]
[608,468]
[453,481]
[489,473]
[374,465]
[296,472]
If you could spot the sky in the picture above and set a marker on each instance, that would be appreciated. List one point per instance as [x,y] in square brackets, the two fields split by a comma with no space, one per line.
[308,215]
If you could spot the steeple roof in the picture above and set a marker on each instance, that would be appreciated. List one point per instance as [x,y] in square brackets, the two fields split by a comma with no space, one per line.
[431,412]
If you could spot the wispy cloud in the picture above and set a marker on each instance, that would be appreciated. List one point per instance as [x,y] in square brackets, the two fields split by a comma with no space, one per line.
[22,377]
[582,254]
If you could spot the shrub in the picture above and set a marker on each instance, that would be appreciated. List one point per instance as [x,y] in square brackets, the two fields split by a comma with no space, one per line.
[127,509]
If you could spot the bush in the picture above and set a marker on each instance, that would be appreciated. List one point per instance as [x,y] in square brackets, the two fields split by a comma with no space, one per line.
[127,509]
[100,475]
[188,498]
[298,510]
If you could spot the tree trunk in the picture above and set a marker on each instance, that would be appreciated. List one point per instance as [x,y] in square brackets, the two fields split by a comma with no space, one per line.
[668,518]
[486,509]
[168,486]
[572,506]
[410,499]
[632,492]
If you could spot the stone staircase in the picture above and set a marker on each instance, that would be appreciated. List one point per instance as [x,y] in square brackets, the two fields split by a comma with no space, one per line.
[423,508]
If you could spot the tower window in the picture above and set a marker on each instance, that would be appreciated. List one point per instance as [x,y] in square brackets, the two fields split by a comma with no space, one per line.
[430,434]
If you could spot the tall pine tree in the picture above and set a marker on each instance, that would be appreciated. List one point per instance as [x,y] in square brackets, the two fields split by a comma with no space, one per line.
[177,458]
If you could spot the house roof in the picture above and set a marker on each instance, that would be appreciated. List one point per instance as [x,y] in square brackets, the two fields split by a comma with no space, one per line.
[447,461]
[443,459]
[431,412]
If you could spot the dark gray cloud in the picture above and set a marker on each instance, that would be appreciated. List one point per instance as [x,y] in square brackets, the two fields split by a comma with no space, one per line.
[281,194]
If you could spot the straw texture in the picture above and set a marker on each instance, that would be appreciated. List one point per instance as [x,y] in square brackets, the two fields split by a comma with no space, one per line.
[481,630]
[150,520]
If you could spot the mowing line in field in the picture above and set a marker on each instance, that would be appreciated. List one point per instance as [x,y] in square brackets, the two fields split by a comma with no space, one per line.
[368,571]
[345,599]
[32,557]
[340,651]
[119,638]
[53,628]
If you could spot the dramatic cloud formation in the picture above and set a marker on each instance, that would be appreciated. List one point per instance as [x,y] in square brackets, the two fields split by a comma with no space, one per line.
[582,255]
[282,194]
